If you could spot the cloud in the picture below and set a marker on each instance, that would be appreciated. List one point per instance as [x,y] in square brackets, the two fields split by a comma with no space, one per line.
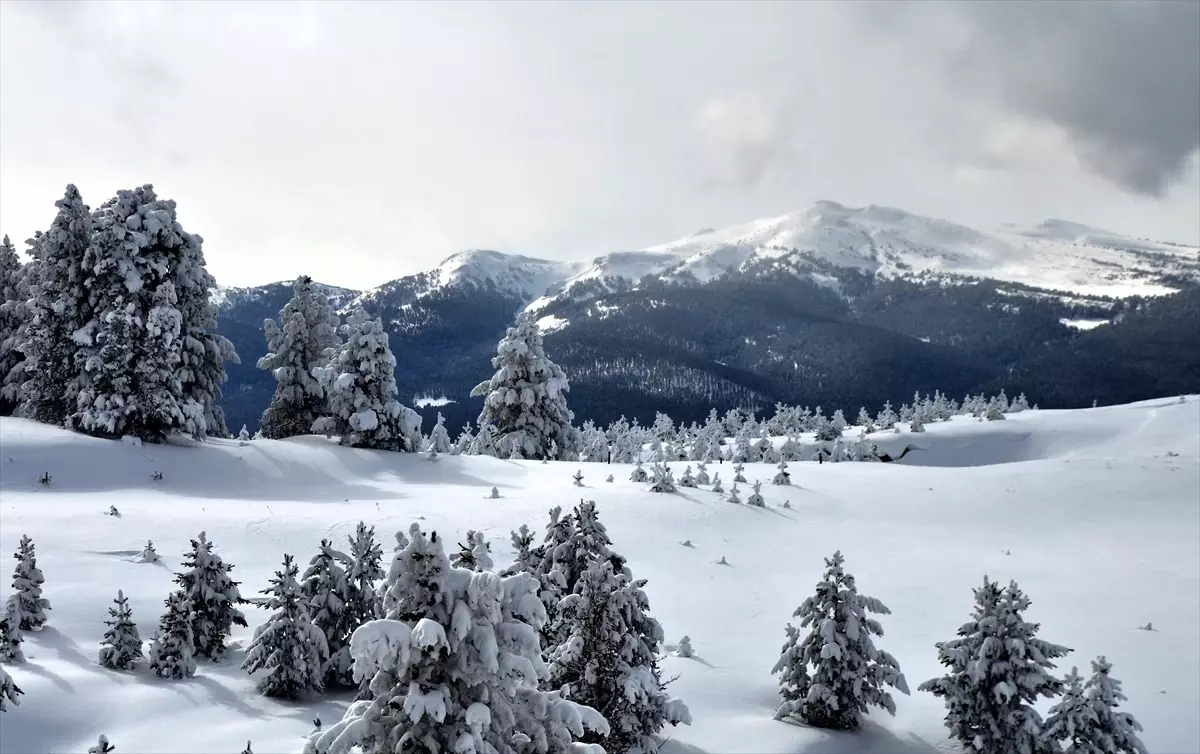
[1121,79]
[743,138]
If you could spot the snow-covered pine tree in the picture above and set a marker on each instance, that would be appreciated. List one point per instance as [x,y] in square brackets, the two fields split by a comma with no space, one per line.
[702,473]
[663,480]
[716,482]
[304,339]
[525,401]
[473,555]
[14,293]
[171,650]
[998,669]
[122,644]
[462,446]
[26,604]
[9,690]
[838,422]
[58,307]
[835,673]
[638,475]
[361,386]
[439,438]
[288,646]
[686,479]
[102,746]
[244,434]
[782,477]
[328,597]
[1019,404]
[733,495]
[737,473]
[148,554]
[526,556]
[1086,720]
[454,667]
[210,596]
[685,648]
[10,638]
[366,557]
[756,498]
[995,408]
[609,659]
[887,417]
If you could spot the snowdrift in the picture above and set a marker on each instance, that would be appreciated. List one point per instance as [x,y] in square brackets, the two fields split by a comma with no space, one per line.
[1096,514]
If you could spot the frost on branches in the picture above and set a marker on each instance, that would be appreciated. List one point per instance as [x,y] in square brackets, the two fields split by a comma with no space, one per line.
[171,650]
[14,293]
[210,595]
[835,673]
[609,660]
[27,606]
[525,401]
[58,307]
[329,598]
[360,384]
[997,671]
[439,438]
[1086,720]
[365,570]
[10,638]
[8,690]
[288,646]
[122,645]
[475,554]
[304,338]
[455,668]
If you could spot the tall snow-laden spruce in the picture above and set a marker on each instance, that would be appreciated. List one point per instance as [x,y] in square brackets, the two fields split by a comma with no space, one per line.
[525,401]
[997,671]
[26,604]
[14,293]
[304,339]
[288,646]
[9,691]
[329,598]
[122,644]
[210,596]
[835,673]
[1086,720]
[609,660]
[454,667]
[360,384]
[58,308]
[171,650]
[148,364]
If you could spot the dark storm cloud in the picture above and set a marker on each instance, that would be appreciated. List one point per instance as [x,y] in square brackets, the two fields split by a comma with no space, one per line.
[1121,79]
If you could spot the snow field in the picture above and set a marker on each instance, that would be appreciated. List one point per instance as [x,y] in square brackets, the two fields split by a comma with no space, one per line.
[1095,513]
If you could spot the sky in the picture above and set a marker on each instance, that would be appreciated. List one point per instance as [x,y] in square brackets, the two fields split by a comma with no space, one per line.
[359,142]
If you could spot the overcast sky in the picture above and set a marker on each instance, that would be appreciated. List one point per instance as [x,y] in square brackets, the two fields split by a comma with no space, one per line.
[360,142]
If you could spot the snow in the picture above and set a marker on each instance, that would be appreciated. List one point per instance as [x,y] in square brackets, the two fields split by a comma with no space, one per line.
[425,401]
[550,323]
[1084,324]
[1098,507]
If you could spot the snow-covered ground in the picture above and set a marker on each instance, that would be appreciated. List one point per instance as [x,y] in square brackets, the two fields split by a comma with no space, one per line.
[1096,513]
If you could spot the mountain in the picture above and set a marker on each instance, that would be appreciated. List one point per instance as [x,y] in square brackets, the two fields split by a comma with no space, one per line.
[833,305]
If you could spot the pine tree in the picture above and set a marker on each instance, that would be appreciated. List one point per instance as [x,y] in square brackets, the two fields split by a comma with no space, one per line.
[59,306]
[474,554]
[366,557]
[463,444]
[171,650]
[1086,720]
[638,474]
[835,673]
[782,478]
[439,438]
[26,605]
[609,659]
[525,401]
[686,479]
[328,596]
[737,473]
[11,638]
[361,386]
[702,473]
[998,669]
[527,557]
[102,746]
[9,691]
[288,646]
[122,645]
[662,480]
[210,596]
[454,667]
[304,339]
[14,293]
[716,482]
[756,498]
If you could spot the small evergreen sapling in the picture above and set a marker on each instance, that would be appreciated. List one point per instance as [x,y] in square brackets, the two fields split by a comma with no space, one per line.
[997,671]
[737,472]
[663,480]
[329,598]
[609,478]
[210,594]
[148,555]
[686,479]
[835,673]
[733,495]
[578,478]
[474,554]
[366,557]
[701,473]
[11,638]
[122,645]
[684,649]
[171,653]
[102,746]
[439,438]
[288,646]
[756,498]
[638,475]
[244,436]
[27,604]
[716,482]
[1086,720]
[247,750]
[782,478]
[494,494]
[9,691]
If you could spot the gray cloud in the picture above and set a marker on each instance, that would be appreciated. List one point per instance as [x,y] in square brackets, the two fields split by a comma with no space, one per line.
[1120,78]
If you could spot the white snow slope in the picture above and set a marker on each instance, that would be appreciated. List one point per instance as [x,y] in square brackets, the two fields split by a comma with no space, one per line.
[1099,508]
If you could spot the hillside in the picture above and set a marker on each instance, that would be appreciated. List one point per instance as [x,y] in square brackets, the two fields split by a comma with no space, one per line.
[1093,512]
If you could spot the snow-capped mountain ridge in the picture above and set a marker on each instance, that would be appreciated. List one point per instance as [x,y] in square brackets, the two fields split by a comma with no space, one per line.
[883,241]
